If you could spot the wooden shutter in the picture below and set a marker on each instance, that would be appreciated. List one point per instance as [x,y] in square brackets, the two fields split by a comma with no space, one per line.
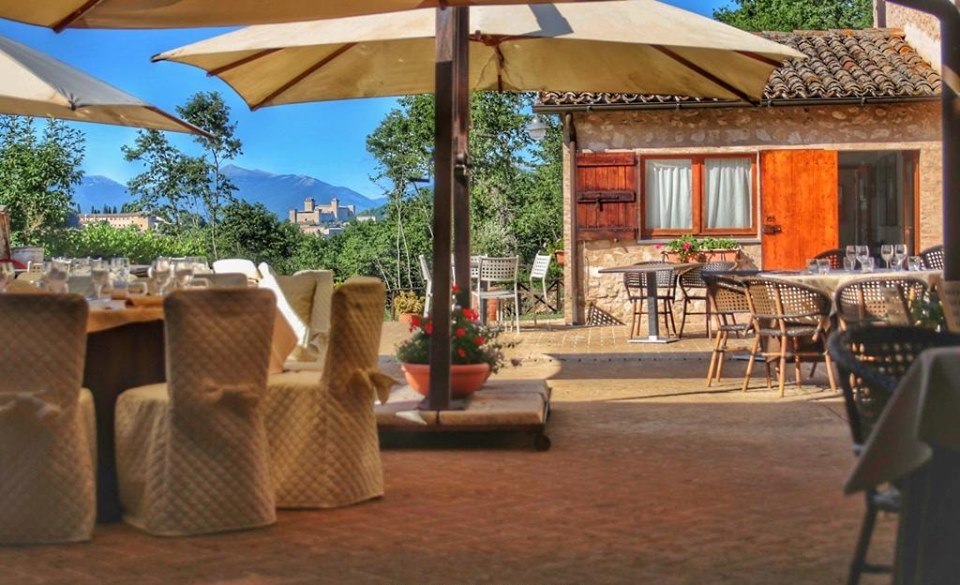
[606,198]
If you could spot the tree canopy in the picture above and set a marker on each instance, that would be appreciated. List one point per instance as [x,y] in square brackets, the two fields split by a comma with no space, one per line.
[788,15]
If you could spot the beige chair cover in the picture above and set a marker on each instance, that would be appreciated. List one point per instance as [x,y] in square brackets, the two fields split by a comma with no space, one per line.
[192,453]
[304,301]
[323,433]
[47,436]
[320,309]
[241,265]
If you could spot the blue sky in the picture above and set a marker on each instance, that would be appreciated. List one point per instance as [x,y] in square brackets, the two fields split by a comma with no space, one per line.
[325,140]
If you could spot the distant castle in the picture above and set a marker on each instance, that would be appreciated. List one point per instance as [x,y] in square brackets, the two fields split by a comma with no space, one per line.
[312,218]
[141,221]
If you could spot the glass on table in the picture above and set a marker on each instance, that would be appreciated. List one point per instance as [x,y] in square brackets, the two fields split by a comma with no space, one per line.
[55,273]
[849,263]
[850,253]
[160,275]
[886,252]
[183,272]
[914,263]
[863,252]
[100,273]
[823,265]
[812,266]
[866,264]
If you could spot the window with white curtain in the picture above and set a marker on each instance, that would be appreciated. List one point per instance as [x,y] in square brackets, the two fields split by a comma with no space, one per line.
[726,185]
[669,194]
[698,194]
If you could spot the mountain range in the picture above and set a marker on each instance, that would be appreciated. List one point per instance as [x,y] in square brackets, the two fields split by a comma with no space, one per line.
[279,193]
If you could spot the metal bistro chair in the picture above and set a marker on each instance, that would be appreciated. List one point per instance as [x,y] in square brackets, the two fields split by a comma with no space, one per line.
[871,361]
[693,288]
[427,277]
[788,312]
[932,257]
[878,300]
[541,264]
[502,274]
[728,296]
[835,256]
[635,284]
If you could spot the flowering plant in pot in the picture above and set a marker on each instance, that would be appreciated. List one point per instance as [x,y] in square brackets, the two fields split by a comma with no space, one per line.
[476,352]
[688,248]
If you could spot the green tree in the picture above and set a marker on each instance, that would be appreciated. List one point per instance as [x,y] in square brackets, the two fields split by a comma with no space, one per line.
[788,15]
[210,113]
[38,172]
[252,231]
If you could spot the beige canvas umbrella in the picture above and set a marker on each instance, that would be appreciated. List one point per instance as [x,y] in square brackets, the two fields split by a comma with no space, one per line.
[35,84]
[61,14]
[639,46]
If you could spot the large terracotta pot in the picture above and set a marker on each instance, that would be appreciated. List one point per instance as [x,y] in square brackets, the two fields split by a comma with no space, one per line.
[465,379]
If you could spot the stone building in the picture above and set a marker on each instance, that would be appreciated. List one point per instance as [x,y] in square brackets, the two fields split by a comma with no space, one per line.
[141,221]
[313,215]
[844,148]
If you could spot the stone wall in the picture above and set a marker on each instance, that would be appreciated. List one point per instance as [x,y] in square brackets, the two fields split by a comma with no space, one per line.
[922,30]
[908,126]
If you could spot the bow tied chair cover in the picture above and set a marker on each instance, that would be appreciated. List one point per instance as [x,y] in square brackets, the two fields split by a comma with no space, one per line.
[47,431]
[323,432]
[192,453]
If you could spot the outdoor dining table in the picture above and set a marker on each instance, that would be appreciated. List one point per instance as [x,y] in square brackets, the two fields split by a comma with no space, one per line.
[125,349]
[916,443]
[653,316]
[829,282]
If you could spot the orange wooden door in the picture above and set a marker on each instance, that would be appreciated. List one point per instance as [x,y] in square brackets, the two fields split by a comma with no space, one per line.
[799,206]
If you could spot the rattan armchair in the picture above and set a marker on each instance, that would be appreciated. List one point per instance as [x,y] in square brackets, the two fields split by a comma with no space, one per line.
[932,257]
[728,297]
[871,361]
[693,288]
[874,301]
[788,312]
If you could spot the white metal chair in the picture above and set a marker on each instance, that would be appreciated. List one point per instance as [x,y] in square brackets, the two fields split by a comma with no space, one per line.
[541,265]
[427,277]
[497,280]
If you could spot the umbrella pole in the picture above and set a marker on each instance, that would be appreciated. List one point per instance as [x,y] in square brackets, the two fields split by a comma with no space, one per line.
[461,187]
[446,143]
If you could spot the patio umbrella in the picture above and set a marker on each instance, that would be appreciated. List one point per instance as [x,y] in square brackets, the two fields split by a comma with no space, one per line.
[35,84]
[639,46]
[61,14]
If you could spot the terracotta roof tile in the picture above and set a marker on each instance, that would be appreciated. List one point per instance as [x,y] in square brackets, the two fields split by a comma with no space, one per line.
[841,65]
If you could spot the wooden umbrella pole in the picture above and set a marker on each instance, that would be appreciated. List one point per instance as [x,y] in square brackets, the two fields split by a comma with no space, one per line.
[4,233]
[461,187]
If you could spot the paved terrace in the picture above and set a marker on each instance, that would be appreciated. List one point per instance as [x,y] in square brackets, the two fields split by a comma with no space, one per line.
[652,479]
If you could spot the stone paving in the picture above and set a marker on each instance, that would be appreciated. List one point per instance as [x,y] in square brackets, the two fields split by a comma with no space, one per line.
[652,478]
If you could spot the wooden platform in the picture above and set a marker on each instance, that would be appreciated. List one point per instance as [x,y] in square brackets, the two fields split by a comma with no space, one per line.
[502,406]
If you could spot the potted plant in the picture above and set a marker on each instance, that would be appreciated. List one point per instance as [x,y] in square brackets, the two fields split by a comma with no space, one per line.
[688,248]
[476,353]
[408,306]
[557,250]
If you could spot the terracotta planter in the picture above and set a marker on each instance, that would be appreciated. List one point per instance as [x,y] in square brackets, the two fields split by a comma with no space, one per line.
[465,379]
[407,318]
[558,255]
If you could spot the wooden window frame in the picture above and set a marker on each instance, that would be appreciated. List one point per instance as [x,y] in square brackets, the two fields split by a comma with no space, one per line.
[698,205]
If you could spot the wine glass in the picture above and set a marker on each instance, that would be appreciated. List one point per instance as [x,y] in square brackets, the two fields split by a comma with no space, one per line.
[100,271]
[55,274]
[183,271]
[160,274]
[899,254]
[886,252]
[851,255]
[862,252]
[7,274]
[120,273]
[200,265]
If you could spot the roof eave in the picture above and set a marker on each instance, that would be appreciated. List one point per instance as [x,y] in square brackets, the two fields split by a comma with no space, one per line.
[563,108]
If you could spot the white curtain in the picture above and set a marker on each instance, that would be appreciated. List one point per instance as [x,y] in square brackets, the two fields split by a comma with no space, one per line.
[669,193]
[727,190]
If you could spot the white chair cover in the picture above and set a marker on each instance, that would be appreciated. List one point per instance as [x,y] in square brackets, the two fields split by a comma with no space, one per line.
[47,432]
[241,265]
[323,434]
[304,301]
[192,454]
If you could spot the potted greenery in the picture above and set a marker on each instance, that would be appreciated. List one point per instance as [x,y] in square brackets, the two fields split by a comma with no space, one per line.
[557,250]
[688,248]
[408,306]
[476,353]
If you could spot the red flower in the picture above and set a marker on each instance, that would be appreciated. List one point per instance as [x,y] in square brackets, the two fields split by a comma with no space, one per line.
[479,340]
[687,245]
[415,321]
[461,332]
[461,352]
[470,314]
[456,288]
[428,328]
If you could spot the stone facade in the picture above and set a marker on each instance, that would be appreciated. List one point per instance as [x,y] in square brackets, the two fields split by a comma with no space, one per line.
[141,221]
[852,127]
[922,30]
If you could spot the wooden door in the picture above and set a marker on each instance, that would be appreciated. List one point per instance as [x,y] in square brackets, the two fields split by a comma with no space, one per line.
[799,206]
[606,198]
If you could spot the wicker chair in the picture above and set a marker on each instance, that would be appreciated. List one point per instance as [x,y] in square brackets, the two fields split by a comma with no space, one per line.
[874,301]
[949,293]
[728,297]
[932,257]
[693,288]
[788,311]
[835,256]
[871,361]
[635,284]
